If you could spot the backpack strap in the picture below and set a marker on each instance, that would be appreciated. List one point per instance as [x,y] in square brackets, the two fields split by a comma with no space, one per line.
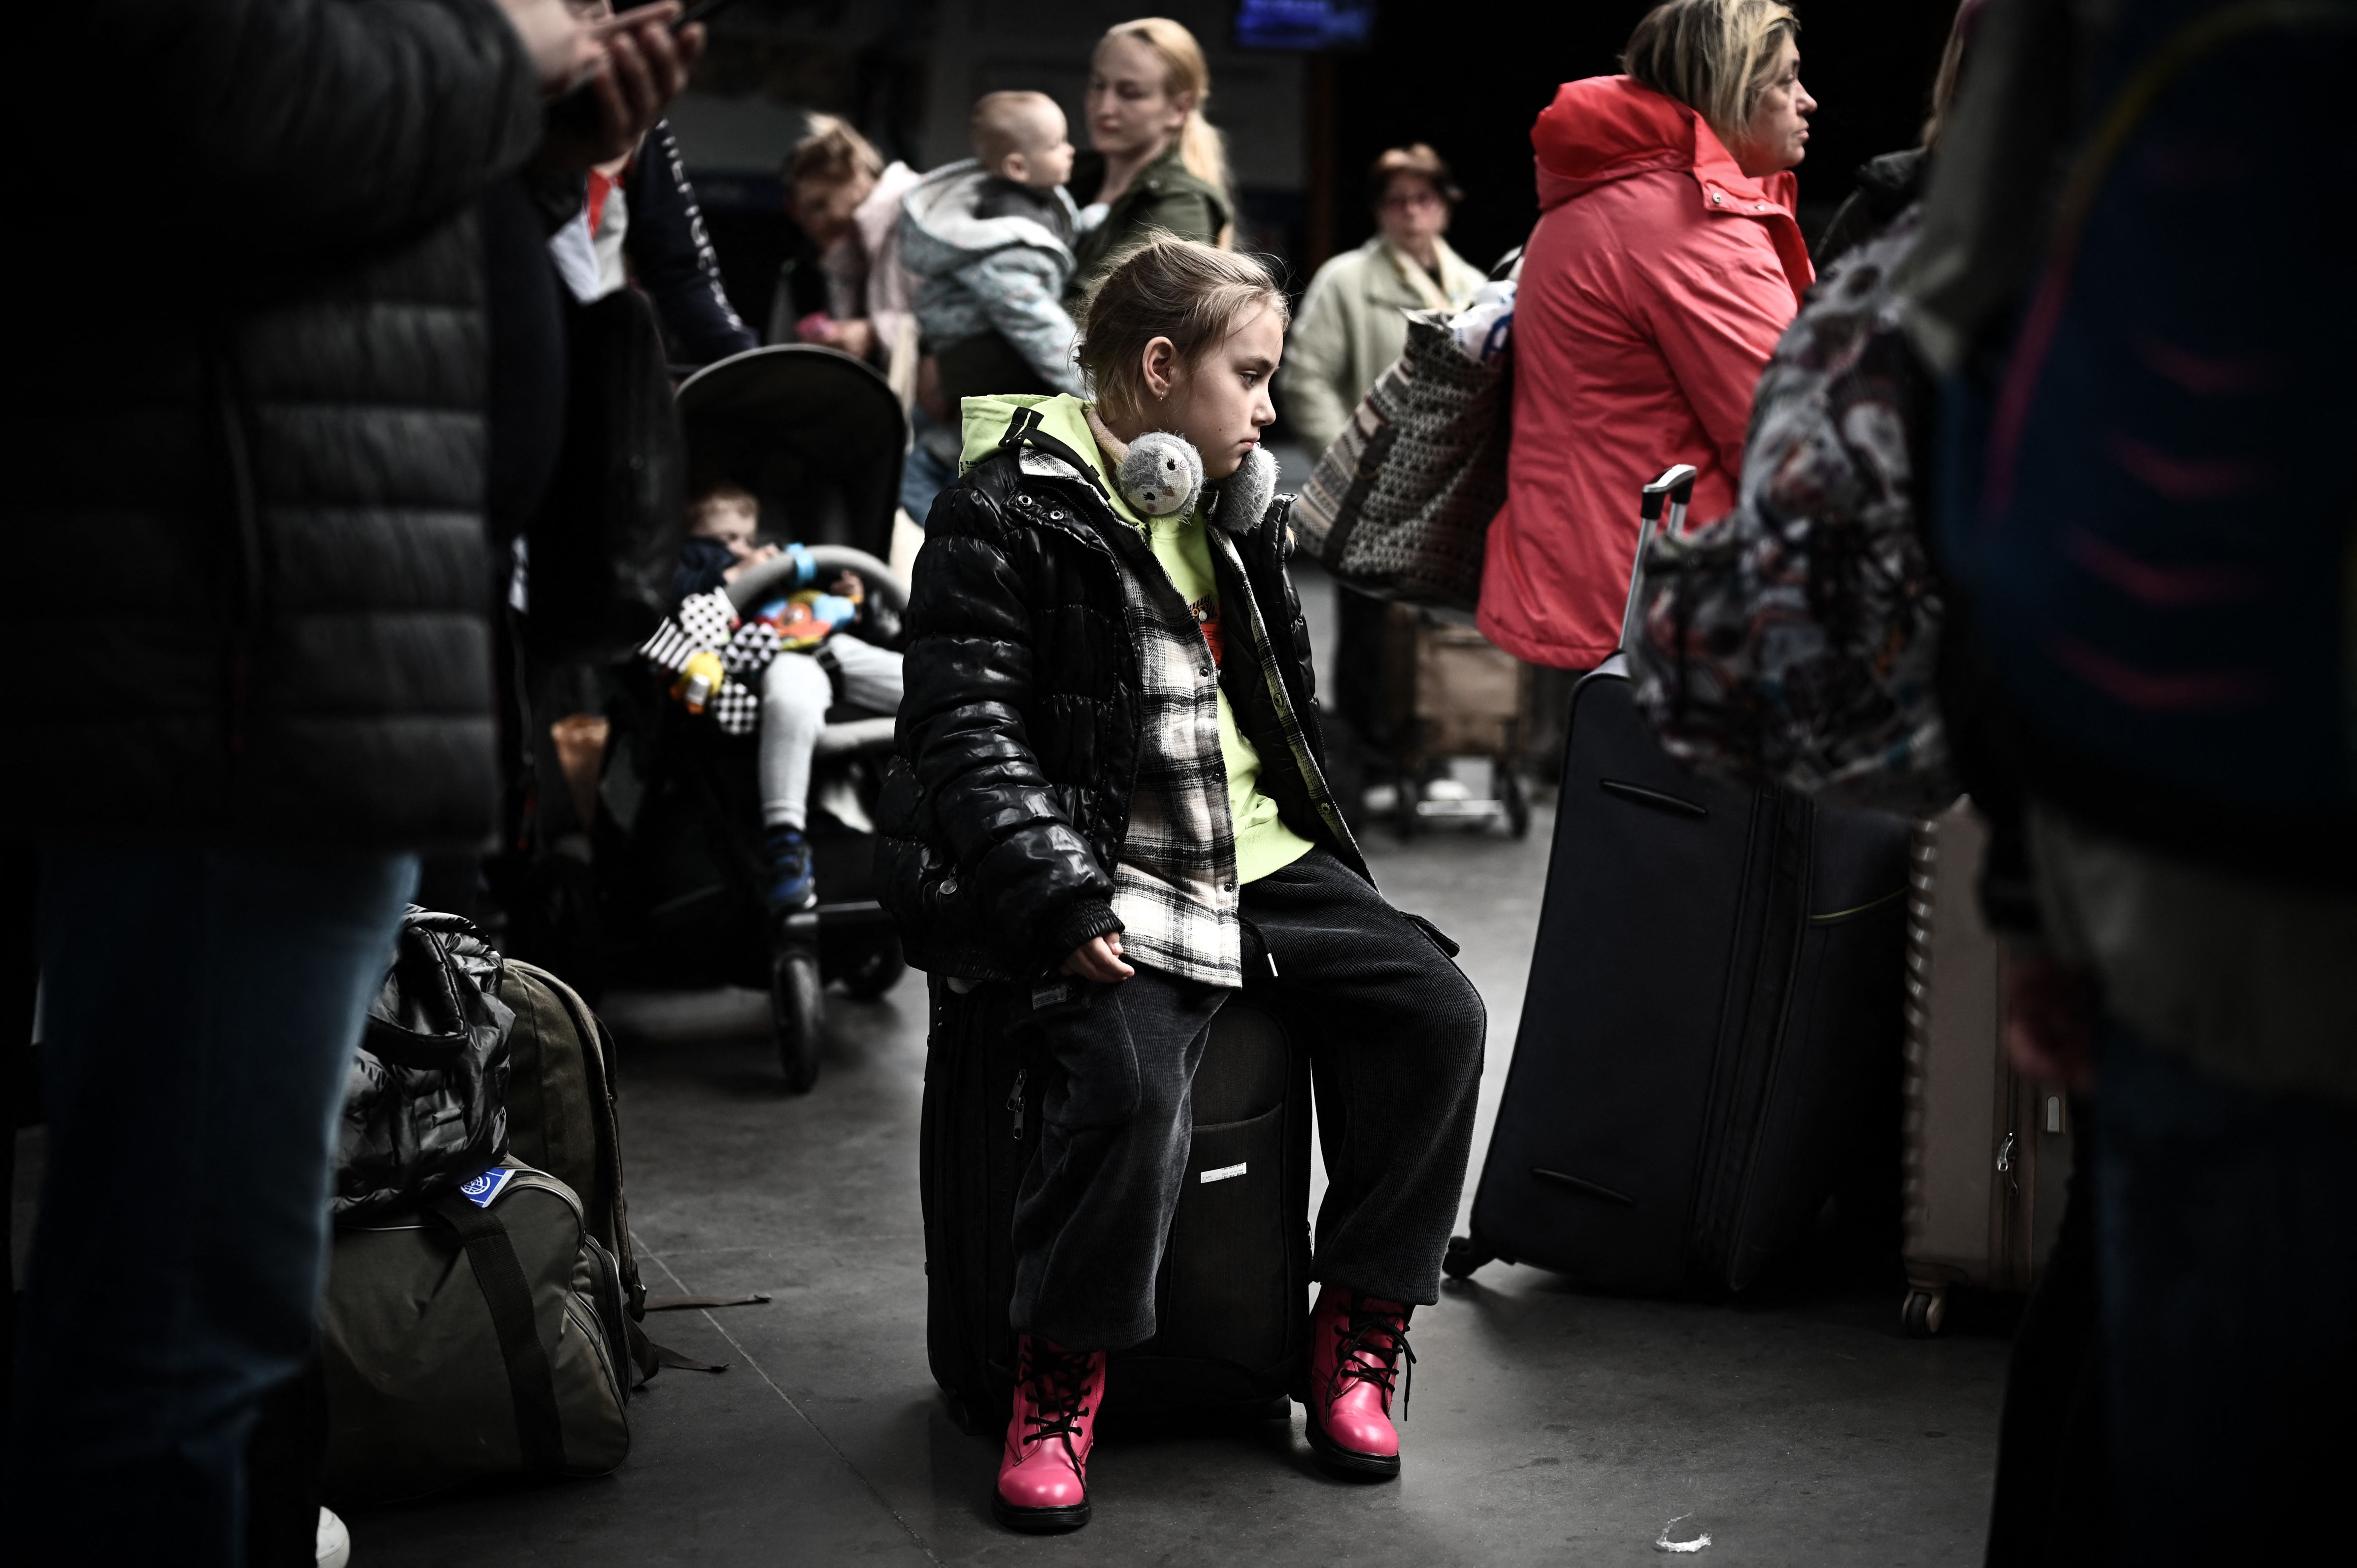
[532,1384]
[609,1208]
[1024,430]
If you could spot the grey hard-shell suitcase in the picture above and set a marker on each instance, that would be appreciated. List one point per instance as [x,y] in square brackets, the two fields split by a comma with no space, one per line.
[1715,995]
[1987,1161]
[1233,1295]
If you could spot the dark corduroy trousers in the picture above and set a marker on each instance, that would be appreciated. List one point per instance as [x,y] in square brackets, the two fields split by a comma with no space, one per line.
[1395,1036]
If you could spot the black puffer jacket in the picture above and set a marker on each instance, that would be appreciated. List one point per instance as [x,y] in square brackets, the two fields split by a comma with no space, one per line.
[1019,722]
[248,587]
[425,1099]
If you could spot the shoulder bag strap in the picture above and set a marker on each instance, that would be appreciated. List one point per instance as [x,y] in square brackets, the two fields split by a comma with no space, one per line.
[532,1384]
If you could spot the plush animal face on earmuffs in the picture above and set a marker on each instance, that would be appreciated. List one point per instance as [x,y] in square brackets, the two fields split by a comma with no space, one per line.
[1161,474]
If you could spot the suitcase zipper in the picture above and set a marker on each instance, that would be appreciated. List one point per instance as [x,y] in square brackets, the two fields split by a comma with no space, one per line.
[1015,1101]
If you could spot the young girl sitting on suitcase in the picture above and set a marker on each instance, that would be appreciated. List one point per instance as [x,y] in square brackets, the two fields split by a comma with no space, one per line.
[1111,771]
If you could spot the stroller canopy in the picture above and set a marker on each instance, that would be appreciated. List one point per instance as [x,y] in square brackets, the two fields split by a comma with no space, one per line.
[813,433]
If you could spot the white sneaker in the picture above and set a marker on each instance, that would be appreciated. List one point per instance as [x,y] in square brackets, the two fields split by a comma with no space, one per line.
[334,1541]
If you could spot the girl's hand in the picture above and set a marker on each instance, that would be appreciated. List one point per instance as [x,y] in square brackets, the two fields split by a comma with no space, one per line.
[1099,958]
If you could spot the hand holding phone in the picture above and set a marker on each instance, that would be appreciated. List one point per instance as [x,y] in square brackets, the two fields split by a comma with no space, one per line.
[648,53]
[562,50]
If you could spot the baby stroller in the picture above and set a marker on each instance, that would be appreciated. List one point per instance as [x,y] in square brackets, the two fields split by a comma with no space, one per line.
[818,437]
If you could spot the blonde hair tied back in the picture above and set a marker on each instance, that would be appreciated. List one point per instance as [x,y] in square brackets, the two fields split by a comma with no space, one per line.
[1716,56]
[1202,147]
[831,153]
[1190,293]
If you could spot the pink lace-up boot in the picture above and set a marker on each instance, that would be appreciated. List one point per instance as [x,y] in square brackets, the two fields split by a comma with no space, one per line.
[1356,1344]
[1043,1476]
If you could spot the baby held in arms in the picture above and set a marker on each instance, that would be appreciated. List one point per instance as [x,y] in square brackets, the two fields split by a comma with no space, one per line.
[1021,141]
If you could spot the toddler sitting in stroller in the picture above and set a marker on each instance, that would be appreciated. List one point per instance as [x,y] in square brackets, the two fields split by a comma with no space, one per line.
[819,656]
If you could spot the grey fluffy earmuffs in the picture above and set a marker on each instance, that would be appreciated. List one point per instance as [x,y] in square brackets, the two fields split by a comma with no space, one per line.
[1161,475]
[1245,495]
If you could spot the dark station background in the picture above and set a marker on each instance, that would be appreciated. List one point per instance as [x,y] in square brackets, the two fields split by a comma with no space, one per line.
[1869,63]
[1471,89]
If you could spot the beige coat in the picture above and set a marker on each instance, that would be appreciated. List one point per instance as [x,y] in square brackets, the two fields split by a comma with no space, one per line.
[1349,330]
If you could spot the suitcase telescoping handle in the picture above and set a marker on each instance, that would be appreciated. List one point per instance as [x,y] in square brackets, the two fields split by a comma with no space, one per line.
[1675,489]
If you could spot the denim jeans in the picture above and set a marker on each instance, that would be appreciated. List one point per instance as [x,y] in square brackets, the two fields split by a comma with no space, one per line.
[1395,1038]
[924,476]
[2227,1241]
[199,1010]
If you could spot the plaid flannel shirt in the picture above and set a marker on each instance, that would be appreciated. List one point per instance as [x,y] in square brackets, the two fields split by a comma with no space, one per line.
[1175,890]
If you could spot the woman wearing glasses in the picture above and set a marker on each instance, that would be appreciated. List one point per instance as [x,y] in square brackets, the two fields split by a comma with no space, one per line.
[1350,330]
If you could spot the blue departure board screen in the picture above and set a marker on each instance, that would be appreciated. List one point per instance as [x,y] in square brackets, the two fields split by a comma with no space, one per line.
[1305,23]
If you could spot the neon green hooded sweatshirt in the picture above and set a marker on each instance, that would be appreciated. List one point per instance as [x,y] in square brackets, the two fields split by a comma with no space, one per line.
[1264,844]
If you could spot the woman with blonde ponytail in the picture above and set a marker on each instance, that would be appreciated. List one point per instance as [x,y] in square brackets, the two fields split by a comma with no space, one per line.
[1160,166]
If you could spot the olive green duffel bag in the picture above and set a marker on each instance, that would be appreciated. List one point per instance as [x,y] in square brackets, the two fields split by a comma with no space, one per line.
[481,1334]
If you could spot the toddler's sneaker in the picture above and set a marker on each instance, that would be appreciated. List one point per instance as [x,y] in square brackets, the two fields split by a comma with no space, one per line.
[793,884]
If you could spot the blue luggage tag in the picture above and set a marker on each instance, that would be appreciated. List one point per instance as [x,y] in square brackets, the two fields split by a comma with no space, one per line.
[484,1188]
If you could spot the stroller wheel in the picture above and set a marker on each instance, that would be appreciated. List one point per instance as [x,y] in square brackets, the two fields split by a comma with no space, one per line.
[877,969]
[797,1014]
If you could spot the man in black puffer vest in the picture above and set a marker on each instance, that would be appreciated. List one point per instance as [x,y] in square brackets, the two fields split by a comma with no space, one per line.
[248,611]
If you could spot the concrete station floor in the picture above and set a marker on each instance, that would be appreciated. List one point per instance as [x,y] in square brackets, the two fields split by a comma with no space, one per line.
[1793,1426]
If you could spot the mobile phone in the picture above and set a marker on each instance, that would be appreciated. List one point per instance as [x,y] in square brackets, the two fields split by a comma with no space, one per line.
[700,11]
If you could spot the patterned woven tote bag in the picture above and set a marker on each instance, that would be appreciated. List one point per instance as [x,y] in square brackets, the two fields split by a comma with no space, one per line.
[1400,505]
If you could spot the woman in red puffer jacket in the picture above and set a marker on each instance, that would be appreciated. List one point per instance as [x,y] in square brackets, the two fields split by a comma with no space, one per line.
[1665,265]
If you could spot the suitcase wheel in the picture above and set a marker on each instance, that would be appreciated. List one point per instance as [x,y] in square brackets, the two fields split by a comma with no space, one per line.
[1465,1255]
[1924,1313]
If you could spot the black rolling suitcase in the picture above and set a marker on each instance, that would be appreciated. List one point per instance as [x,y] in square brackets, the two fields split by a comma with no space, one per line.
[1232,1297]
[1714,1001]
